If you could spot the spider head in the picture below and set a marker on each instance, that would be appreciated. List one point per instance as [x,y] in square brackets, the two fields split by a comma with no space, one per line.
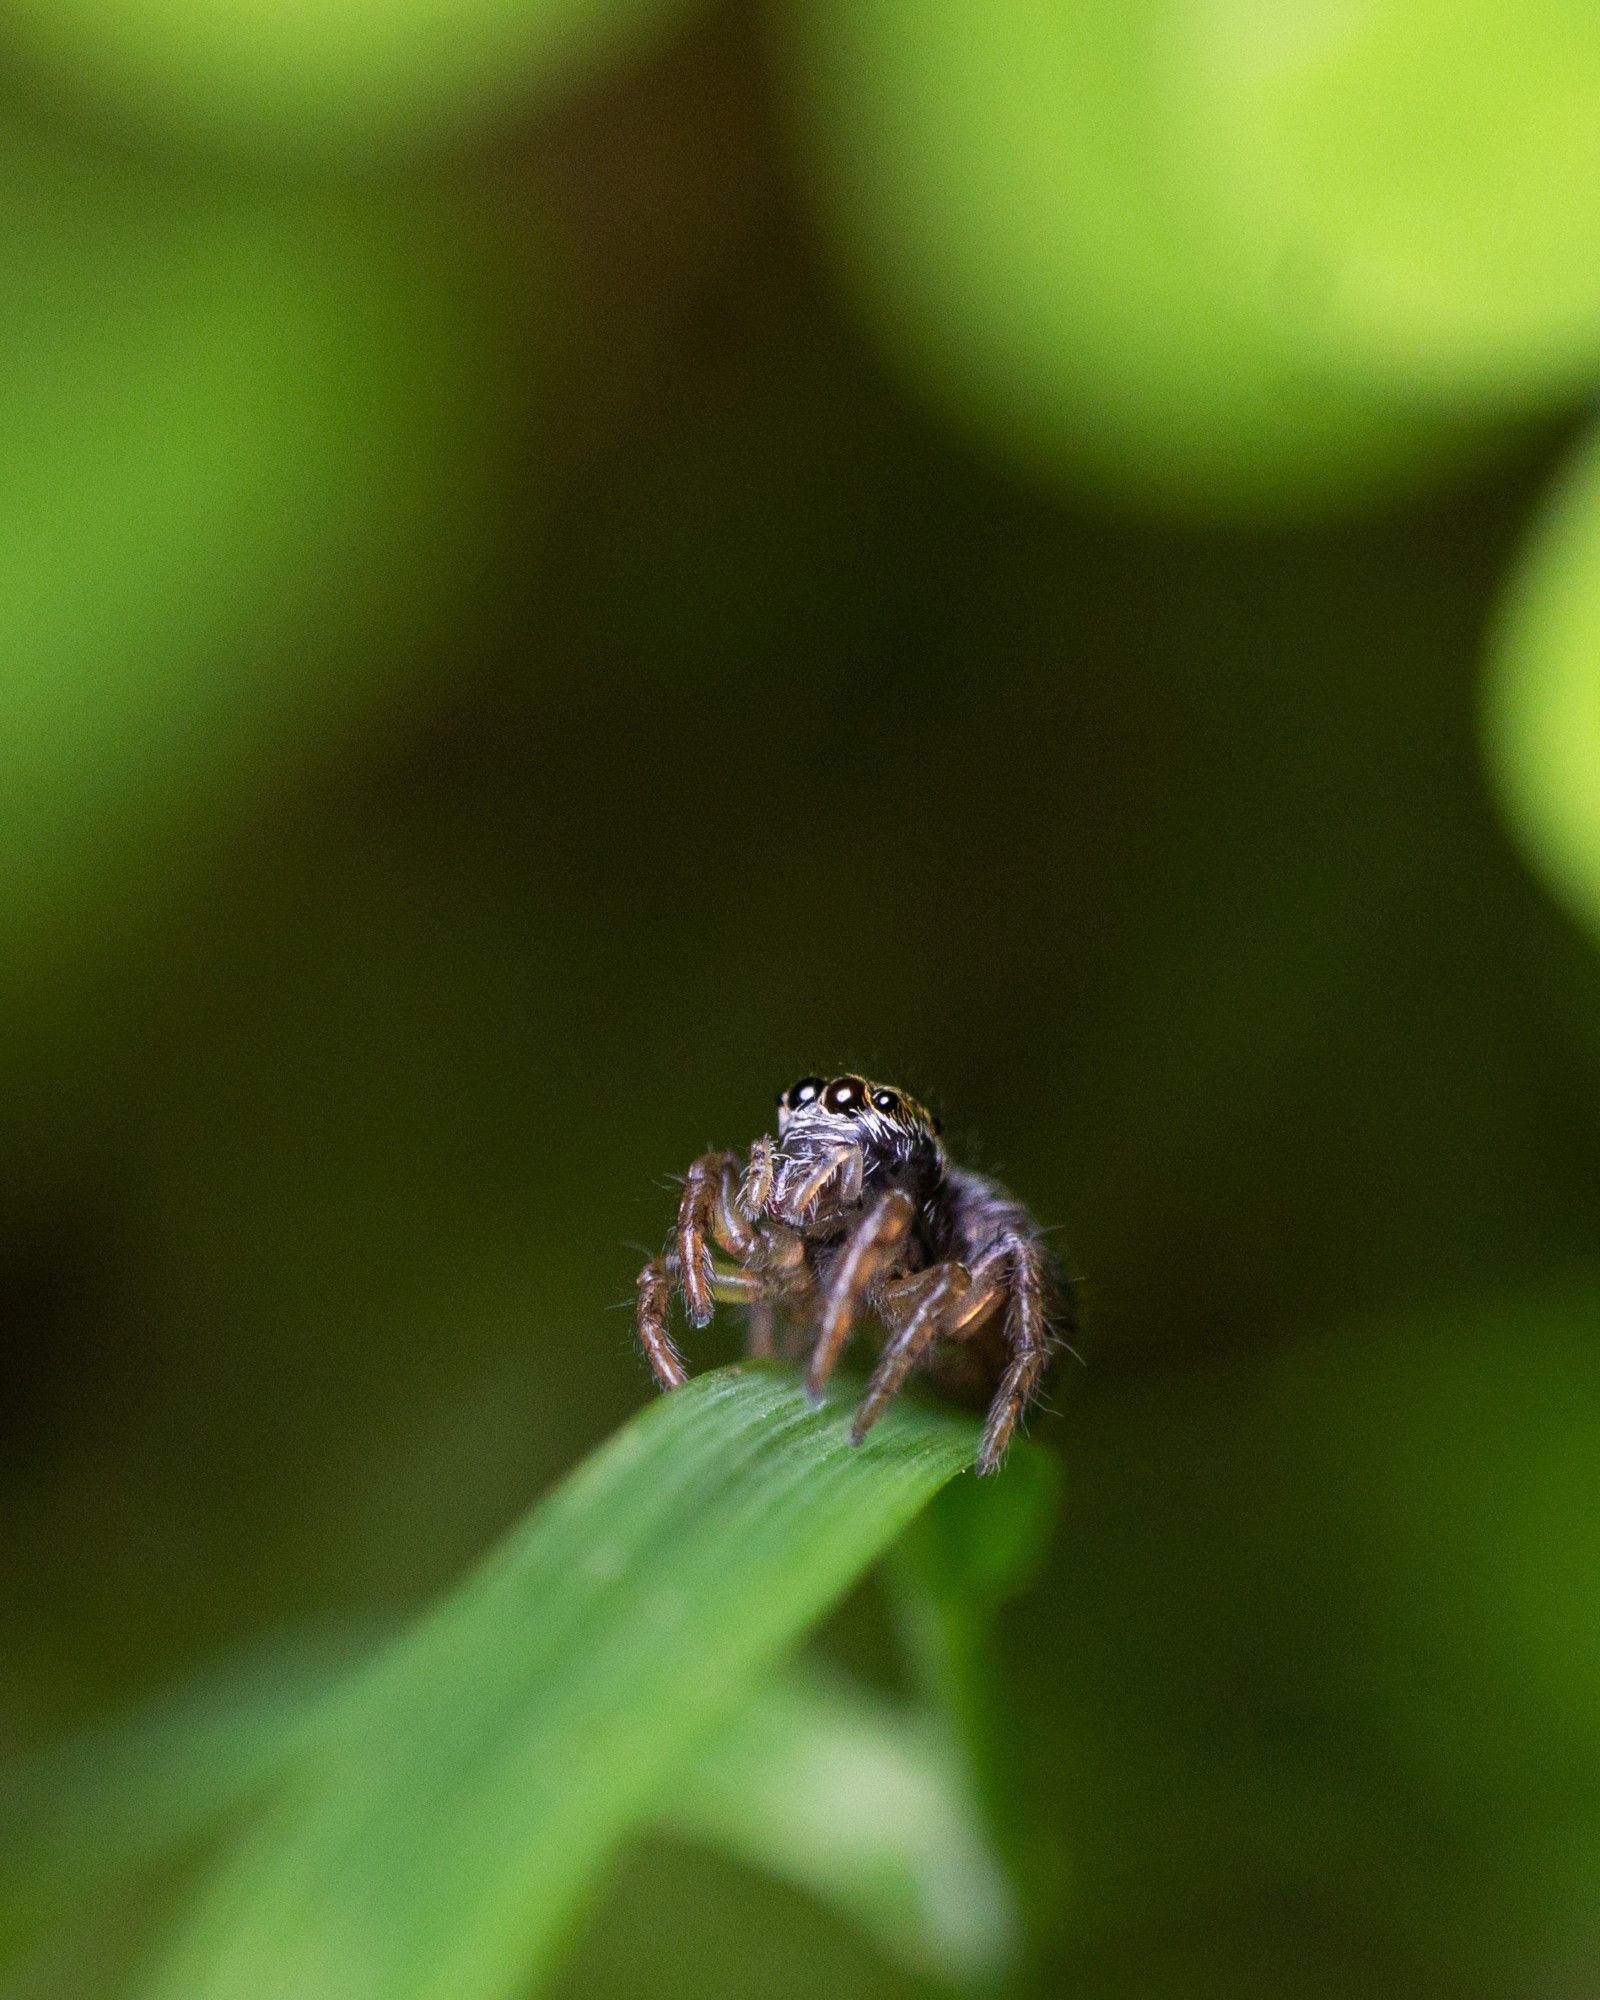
[888,1126]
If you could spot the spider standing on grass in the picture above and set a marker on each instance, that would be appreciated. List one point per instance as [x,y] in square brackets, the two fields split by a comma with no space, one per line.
[855,1207]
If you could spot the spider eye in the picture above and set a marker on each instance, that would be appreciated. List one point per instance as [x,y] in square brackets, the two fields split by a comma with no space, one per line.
[886,1101]
[848,1094]
[806,1091]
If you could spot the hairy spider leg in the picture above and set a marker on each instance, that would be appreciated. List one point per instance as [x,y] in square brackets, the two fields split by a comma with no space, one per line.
[710,1204]
[868,1252]
[961,1299]
[654,1307]
[923,1323]
[1028,1335]
[731,1227]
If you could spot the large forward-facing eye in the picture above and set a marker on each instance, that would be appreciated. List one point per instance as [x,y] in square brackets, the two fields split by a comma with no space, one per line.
[806,1091]
[847,1093]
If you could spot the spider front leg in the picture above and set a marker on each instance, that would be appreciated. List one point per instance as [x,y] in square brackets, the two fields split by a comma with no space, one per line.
[710,1204]
[865,1260]
[653,1310]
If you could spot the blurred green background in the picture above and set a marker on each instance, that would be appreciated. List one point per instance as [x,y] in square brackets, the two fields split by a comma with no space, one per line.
[563,562]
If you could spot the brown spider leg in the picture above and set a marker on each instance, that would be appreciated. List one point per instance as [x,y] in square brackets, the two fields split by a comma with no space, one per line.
[962,1299]
[736,1233]
[731,1227]
[921,1325]
[654,1306]
[736,1288]
[990,1277]
[762,1335]
[709,1188]
[652,1309]
[900,1297]
[1028,1333]
[867,1254]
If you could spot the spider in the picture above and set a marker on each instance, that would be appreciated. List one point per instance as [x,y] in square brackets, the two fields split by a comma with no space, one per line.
[855,1206]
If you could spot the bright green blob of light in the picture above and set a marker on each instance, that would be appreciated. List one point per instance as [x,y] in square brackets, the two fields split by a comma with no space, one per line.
[1543,707]
[1010,213]
[294,77]
[1411,188]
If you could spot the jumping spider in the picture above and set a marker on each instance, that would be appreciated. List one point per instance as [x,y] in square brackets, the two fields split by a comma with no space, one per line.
[856,1207]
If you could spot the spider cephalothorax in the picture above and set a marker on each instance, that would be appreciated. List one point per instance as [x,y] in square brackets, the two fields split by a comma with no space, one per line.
[855,1208]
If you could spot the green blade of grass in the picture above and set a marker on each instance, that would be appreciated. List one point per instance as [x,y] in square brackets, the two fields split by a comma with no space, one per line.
[473,1783]
[812,1779]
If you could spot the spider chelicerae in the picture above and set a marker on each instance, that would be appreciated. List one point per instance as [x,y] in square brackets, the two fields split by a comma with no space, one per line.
[855,1208]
